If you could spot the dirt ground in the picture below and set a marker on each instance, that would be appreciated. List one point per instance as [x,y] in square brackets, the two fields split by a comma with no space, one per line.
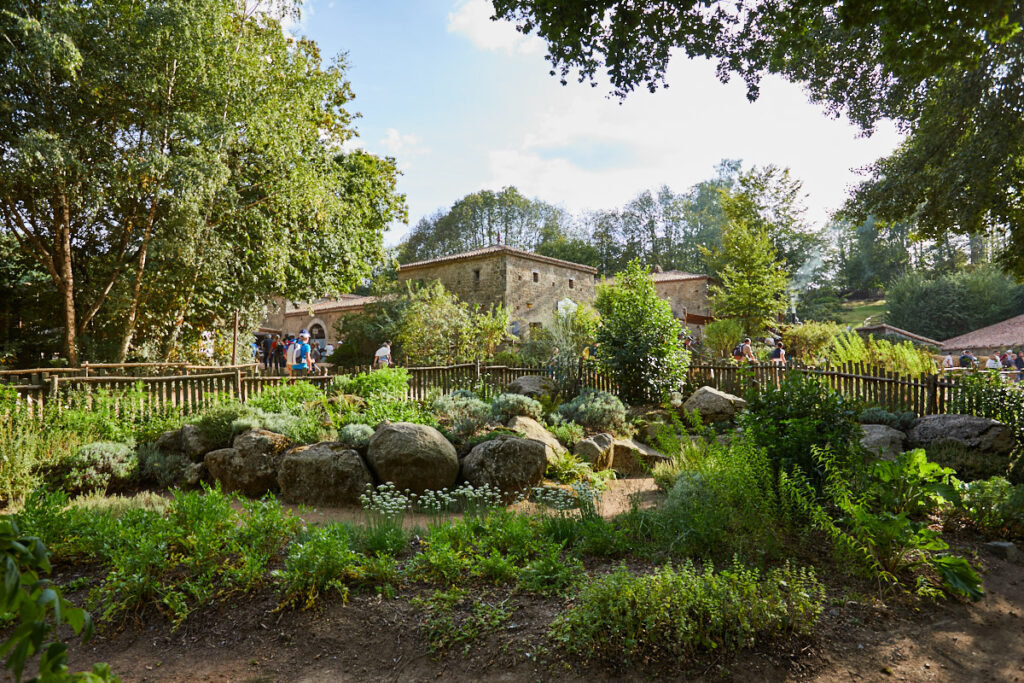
[374,639]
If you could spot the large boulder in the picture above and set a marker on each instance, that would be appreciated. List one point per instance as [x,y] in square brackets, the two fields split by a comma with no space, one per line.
[193,446]
[508,464]
[326,473]
[882,441]
[169,442]
[253,442]
[976,447]
[250,465]
[534,386]
[252,476]
[412,456]
[714,405]
[532,429]
[597,450]
[632,458]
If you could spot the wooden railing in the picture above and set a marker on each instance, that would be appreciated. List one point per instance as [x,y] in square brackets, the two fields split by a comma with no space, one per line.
[924,395]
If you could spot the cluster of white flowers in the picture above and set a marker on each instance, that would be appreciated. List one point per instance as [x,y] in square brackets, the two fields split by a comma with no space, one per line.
[675,399]
[386,500]
[583,496]
[464,498]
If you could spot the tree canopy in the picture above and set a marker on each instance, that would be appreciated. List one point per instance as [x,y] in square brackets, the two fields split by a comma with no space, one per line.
[950,73]
[169,162]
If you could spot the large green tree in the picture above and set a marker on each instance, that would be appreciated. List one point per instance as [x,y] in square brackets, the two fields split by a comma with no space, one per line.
[951,73]
[481,219]
[167,162]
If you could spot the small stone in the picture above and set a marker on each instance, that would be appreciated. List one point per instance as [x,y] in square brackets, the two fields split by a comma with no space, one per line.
[1004,549]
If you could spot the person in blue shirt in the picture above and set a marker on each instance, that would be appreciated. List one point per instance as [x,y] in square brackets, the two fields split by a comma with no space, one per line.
[301,365]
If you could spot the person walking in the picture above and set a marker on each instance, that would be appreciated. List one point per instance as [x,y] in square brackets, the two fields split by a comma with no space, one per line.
[993,363]
[778,355]
[301,359]
[966,360]
[267,346]
[1018,363]
[947,362]
[748,351]
[382,358]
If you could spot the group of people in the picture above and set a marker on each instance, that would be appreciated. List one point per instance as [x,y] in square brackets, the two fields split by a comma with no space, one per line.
[743,352]
[294,355]
[1005,361]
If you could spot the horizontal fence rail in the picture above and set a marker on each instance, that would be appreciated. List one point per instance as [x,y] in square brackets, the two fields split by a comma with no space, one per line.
[202,386]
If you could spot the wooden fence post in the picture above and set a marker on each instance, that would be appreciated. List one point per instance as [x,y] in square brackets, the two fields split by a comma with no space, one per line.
[238,380]
[932,389]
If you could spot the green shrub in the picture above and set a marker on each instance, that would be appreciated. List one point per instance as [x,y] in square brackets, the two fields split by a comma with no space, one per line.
[164,469]
[388,410]
[675,612]
[389,383]
[506,406]
[355,435]
[994,506]
[879,416]
[303,429]
[800,413]
[292,399]
[567,433]
[909,484]
[216,425]
[638,337]
[463,414]
[28,447]
[721,504]
[569,468]
[318,562]
[596,410]
[100,466]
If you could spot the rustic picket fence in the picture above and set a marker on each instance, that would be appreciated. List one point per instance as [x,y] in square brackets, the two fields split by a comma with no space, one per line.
[188,388]
[201,386]
[923,395]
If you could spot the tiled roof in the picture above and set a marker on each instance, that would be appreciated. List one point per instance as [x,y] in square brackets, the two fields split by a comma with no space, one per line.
[1006,334]
[346,302]
[884,328]
[673,276]
[497,249]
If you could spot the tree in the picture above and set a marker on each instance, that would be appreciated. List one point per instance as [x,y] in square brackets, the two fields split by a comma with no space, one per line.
[480,220]
[164,158]
[952,74]
[752,281]
[950,305]
[638,337]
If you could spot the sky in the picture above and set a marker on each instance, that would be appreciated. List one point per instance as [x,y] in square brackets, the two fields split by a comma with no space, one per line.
[465,104]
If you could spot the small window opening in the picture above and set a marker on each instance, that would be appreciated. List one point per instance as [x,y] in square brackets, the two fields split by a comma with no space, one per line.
[536,276]
[476,276]
[572,283]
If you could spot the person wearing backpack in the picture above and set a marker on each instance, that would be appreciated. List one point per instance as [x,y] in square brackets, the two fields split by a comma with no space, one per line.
[301,359]
[966,361]
[778,355]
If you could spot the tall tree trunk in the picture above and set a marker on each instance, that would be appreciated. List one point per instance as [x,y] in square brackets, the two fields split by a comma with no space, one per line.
[140,268]
[67,284]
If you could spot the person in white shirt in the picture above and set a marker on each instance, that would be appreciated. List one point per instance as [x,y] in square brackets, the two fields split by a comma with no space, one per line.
[382,358]
[947,362]
[993,362]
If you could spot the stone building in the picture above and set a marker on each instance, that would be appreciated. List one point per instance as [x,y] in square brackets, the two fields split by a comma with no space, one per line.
[687,293]
[319,317]
[528,285]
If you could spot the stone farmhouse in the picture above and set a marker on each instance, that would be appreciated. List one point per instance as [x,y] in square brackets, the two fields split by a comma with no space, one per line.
[530,286]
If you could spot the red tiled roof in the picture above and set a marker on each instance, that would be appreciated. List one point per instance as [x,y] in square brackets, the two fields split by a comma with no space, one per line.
[672,276]
[497,249]
[1006,334]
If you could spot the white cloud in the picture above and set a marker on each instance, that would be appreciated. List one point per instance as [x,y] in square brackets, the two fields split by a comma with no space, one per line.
[585,151]
[472,19]
[403,146]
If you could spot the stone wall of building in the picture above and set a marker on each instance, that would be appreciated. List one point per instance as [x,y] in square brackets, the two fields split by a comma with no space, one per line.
[535,288]
[475,281]
[686,296]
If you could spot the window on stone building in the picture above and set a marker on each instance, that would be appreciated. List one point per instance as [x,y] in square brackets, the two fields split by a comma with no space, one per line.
[476,276]
[536,276]
[572,283]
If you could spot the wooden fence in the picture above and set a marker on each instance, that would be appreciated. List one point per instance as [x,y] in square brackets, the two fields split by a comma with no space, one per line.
[205,386]
[189,393]
[925,395]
